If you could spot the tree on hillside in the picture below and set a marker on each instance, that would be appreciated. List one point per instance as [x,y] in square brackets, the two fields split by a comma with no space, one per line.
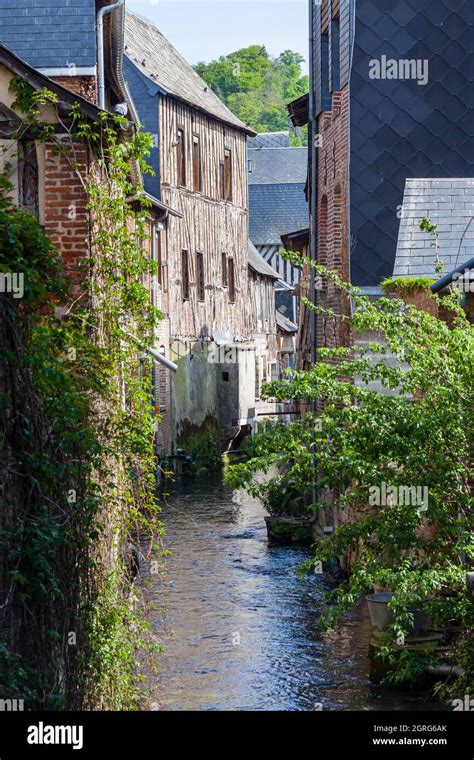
[255,86]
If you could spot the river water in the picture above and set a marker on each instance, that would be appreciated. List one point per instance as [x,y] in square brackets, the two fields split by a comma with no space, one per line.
[239,628]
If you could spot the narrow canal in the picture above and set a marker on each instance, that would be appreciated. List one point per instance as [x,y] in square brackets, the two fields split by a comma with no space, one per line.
[238,627]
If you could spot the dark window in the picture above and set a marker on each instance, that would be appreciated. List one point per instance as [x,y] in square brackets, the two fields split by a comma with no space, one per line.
[257,377]
[200,276]
[231,279]
[157,255]
[326,98]
[197,169]
[185,275]
[225,377]
[181,158]
[28,177]
[157,280]
[324,65]
[335,55]
[222,180]
[227,174]
[225,278]
[324,16]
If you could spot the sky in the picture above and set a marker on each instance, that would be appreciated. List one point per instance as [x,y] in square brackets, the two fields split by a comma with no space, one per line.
[203,30]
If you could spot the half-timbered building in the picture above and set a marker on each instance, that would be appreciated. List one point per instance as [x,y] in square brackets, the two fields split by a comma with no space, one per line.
[199,160]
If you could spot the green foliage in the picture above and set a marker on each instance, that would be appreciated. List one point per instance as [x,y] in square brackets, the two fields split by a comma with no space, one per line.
[407,664]
[256,87]
[77,447]
[280,497]
[406,284]
[417,434]
[204,451]
[426,225]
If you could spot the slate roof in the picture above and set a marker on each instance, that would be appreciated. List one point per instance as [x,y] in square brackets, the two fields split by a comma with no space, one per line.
[269,140]
[400,129]
[275,209]
[449,203]
[258,263]
[66,98]
[268,166]
[50,34]
[158,60]
[284,323]
[277,201]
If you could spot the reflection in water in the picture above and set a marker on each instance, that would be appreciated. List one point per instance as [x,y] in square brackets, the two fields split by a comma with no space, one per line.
[238,627]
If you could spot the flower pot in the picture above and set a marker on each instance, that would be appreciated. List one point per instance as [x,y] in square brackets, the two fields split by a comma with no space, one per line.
[381,616]
[470,583]
[289,530]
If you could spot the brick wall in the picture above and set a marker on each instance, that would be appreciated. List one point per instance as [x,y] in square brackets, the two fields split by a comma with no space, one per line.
[469,307]
[162,386]
[65,215]
[333,216]
[84,86]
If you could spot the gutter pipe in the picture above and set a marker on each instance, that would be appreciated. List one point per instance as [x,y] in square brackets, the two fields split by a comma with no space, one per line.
[100,48]
[444,670]
[161,358]
[118,31]
[447,279]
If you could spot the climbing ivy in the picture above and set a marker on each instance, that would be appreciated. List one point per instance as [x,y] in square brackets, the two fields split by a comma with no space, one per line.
[77,440]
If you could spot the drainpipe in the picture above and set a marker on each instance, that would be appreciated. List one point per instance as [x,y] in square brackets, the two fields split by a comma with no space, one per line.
[444,671]
[313,188]
[161,358]
[118,37]
[313,185]
[118,26]
[100,49]
[447,279]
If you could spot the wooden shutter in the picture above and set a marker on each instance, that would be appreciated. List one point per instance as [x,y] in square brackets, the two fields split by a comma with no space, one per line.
[185,275]
[228,174]
[231,277]
[181,158]
[197,169]
[222,180]
[200,276]
[225,279]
